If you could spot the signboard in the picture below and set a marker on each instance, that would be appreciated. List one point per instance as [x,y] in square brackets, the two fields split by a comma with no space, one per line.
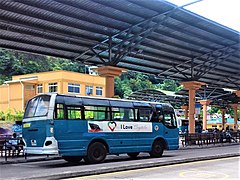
[197,108]
[116,126]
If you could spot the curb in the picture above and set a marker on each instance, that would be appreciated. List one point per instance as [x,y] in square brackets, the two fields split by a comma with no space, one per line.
[206,146]
[31,160]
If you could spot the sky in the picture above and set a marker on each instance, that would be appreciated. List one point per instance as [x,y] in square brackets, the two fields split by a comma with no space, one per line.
[225,12]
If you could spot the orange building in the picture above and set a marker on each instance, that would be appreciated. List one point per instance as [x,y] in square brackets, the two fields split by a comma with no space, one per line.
[14,94]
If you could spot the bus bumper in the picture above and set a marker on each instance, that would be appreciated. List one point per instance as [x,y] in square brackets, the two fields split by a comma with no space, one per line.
[50,147]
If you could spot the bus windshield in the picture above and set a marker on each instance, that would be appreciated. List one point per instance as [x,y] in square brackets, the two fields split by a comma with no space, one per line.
[170,120]
[37,106]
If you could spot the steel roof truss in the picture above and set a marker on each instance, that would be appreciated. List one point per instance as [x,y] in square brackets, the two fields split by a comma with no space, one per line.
[204,68]
[179,71]
[146,30]
[98,56]
[143,30]
[131,41]
[231,81]
[227,78]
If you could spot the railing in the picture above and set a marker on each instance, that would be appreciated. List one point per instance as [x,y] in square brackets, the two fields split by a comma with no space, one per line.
[10,150]
[209,138]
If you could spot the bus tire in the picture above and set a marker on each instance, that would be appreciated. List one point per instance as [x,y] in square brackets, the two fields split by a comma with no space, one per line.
[72,159]
[96,153]
[157,149]
[133,155]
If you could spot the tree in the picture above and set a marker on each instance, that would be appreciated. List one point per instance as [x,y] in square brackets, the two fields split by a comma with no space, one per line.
[170,85]
[16,63]
[130,82]
[214,110]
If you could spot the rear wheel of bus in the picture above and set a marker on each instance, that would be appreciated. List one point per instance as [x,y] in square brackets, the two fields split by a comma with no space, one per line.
[96,153]
[157,149]
[72,159]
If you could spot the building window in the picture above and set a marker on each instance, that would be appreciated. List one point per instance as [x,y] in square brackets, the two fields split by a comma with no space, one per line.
[89,90]
[52,87]
[39,88]
[30,87]
[99,91]
[73,88]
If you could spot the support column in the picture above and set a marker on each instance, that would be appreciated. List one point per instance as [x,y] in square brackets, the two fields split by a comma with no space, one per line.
[192,86]
[109,72]
[223,110]
[205,104]
[185,107]
[235,107]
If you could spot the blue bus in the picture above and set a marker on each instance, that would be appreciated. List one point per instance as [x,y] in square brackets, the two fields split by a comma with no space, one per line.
[77,127]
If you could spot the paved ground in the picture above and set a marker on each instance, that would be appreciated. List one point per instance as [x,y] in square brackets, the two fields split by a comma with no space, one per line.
[42,167]
[191,170]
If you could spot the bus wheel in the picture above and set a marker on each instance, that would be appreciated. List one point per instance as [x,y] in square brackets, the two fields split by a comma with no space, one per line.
[72,159]
[157,149]
[97,152]
[133,155]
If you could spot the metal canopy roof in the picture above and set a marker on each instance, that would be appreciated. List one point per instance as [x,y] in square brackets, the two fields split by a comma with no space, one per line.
[159,96]
[219,96]
[153,37]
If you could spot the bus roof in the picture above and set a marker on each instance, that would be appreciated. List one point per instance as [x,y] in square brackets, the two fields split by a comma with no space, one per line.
[112,99]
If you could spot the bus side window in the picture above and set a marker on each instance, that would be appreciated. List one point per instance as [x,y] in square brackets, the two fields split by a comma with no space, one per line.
[59,111]
[116,115]
[96,113]
[144,114]
[122,114]
[136,111]
[74,112]
[128,114]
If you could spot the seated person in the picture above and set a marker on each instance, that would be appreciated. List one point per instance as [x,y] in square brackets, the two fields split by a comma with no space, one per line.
[160,118]
[229,136]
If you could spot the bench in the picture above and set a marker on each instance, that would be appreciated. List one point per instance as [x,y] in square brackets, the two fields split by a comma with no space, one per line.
[190,138]
[208,138]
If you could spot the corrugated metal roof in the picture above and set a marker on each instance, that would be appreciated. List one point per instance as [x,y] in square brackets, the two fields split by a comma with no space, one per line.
[218,96]
[159,96]
[153,37]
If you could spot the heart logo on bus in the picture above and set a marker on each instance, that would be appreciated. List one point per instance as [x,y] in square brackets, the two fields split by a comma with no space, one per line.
[112,125]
